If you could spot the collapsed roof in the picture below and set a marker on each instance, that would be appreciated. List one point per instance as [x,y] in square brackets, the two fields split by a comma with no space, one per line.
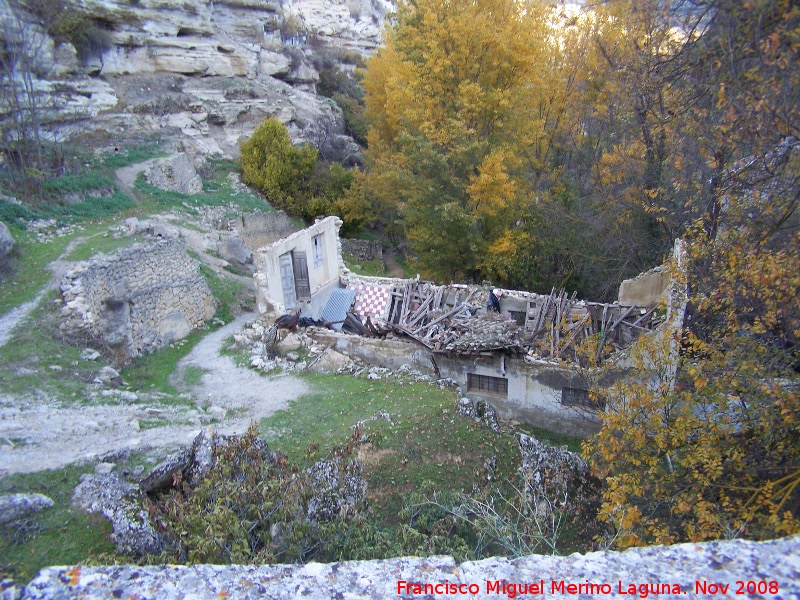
[454,319]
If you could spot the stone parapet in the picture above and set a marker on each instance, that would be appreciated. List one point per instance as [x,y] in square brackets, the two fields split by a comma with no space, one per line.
[715,569]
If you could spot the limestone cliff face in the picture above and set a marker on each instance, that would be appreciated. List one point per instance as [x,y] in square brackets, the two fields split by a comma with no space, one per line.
[207,71]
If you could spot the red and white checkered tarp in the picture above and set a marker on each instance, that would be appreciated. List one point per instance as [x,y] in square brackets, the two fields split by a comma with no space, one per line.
[372,301]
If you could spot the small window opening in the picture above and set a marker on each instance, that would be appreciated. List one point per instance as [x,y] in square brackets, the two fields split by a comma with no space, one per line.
[486,384]
[316,242]
[580,397]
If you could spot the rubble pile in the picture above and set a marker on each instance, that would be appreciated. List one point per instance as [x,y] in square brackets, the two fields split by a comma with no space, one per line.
[485,332]
[299,351]
[554,478]
[461,319]
[47,230]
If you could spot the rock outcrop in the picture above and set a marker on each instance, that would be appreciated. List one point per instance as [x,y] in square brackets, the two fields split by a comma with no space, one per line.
[106,493]
[206,72]
[6,241]
[554,479]
[175,174]
[19,506]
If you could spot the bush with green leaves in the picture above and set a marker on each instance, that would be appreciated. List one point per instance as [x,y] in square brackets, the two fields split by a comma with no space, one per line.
[274,166]
[254,506]
[293,179]
[355,118]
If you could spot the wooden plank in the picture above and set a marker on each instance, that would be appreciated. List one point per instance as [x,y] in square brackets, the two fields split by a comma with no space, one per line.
[618,321]
[410,334]
[644,316]
[421,312]
[575,330]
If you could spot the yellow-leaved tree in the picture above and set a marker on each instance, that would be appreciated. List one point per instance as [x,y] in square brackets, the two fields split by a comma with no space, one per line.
[704,442]
[465,101]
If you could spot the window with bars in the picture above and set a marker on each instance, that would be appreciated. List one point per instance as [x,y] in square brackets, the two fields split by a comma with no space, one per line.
[580,397]
[316,244]
[486,384]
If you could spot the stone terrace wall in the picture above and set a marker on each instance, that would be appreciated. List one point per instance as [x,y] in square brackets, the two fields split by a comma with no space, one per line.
[363,249]
[137,300]
[709,570]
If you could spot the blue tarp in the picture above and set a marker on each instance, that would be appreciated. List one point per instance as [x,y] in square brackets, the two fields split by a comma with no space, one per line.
[338,305]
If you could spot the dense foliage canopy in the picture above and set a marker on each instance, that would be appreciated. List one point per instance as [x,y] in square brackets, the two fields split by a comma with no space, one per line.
[539,147]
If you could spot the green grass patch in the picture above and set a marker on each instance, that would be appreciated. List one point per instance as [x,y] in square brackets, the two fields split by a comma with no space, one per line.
[29,271]
[222,195]
[193,375]
[151,372]
[93,207]
[83,182]
[427,444]
[375,267]
[56,536]
[232,295]
[409,272]
[131,156]
[36,358]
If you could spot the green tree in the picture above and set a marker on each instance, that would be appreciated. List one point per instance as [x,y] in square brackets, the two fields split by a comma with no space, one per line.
[273,165]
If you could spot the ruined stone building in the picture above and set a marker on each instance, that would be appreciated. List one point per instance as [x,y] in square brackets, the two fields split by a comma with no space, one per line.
[137,300]
[523,359]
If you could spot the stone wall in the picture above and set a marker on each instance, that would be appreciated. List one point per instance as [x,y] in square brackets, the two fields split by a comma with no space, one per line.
[645,289]
[363,249]
[138,300]
[715,569]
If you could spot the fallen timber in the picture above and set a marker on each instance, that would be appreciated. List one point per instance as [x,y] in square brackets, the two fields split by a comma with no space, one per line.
[453,319]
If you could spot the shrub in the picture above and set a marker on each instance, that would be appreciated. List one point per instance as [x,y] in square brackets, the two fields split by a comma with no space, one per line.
[89,36]
[254,506]
[271,164]
[332,80]
[355,118]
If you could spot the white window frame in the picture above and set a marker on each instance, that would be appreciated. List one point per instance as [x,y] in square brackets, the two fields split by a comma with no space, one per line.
[316,250]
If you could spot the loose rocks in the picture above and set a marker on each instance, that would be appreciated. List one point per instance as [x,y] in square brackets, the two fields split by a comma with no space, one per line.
[17,506]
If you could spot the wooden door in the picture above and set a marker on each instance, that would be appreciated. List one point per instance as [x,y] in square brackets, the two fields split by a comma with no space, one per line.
[301,282]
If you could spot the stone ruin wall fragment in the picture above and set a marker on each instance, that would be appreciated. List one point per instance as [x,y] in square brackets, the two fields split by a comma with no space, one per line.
[138,300]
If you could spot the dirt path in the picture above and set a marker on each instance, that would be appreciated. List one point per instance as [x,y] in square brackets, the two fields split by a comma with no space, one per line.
[126,176]
[395,270]
[57,268]
[42,435]
[229,386]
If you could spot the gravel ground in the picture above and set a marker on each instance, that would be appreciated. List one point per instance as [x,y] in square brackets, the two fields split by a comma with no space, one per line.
[37,434]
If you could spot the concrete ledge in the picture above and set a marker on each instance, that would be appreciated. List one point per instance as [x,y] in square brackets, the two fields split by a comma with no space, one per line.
[683,570]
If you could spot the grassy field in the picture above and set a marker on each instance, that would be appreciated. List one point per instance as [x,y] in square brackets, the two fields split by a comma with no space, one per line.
[374,268]
[427,444]
[56,536]
[101,243]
